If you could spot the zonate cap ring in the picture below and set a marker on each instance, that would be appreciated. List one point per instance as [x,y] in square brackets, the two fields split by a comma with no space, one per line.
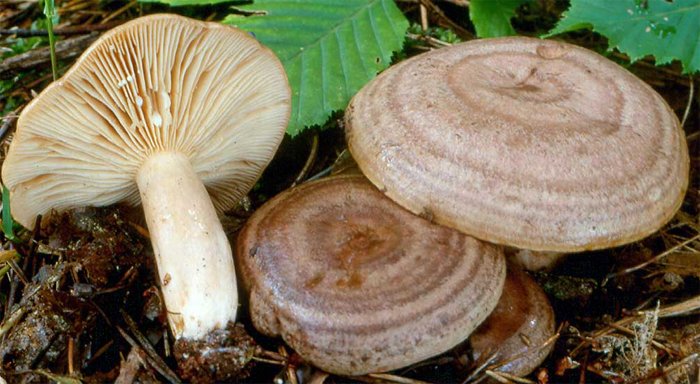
[531,143]
[356,284]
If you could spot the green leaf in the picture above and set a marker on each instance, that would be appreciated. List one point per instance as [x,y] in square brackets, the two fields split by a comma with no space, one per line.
[329,48]
[667,30]
[179,3]
[491,18]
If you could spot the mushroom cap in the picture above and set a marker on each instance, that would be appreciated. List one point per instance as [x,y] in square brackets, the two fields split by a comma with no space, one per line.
[356,284]
[158,83]
[518,328]
[531,143]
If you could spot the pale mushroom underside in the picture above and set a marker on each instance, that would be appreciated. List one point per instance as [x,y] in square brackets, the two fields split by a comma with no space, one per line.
[162,83]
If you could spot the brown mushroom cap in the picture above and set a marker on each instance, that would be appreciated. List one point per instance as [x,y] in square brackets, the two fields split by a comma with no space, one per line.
[532,143]
[356,284]
[518,328]
[156,84]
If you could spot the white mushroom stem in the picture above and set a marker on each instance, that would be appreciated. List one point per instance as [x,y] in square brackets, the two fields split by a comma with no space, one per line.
[195,266]
[534,260]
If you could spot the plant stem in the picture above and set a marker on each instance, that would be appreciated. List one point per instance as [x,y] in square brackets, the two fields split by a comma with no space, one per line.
[4,270]
[14,318]
[50,13]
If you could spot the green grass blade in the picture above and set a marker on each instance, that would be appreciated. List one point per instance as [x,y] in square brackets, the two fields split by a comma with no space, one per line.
[7,222]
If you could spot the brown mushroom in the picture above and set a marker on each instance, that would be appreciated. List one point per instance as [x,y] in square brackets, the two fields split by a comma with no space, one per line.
[519,329]
[532,143]
[355,284]
[182,113]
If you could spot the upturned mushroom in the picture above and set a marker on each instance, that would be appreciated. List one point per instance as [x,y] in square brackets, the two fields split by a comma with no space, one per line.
[179,115]
[516,335]
[356,284]
[530,143]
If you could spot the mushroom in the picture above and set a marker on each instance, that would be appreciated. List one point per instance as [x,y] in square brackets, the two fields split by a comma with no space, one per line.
[530,143]
[356,284]
[534,260]
[184,114]
[519,329]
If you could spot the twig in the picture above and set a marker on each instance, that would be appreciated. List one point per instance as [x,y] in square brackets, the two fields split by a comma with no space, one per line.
[423,17]
[166,342]
[160,367]
[18,271]
[691,95]
[145,343]
[33,245]
[12,295]
[7,255]
[655,343]
[71,346]
[664,371]
[650,261]
[463,33]
[607,375]
[268,361]
[7,122]
[678,309]
[309,161]
[288,371]
[496,377]
[65,31]
[433,42]
[504,377]
[481,368]
[130,367]
[84,7]
[582,374]
[459,3]
[395,379]
[12,320]
[42,79]
[318,377]
[291,374]
[19,1]
[99,352]
[530,349]
[341,163]
[682,308]
[118,12]
[65,49]
[274,356]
